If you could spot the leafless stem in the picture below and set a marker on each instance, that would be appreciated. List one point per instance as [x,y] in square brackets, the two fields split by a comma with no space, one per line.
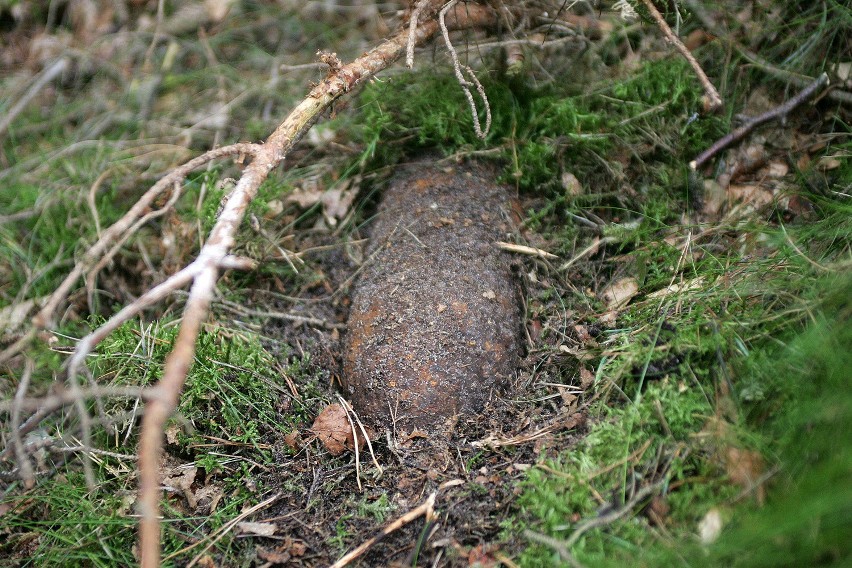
[412,28]
[124,227]
[713,98]
[465,84]
[796,79]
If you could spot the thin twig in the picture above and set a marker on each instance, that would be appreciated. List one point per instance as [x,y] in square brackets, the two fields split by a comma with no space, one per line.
[127,224]
[559,423]
[25,468]
[225,529]
[268,314]
[349,408]
[586,525]
[426,508]
[412,28]
[713,98]
[555,544]
[591,249]
[354,443]
[523,249]
[457,68]
[46,406]
[778,112]
[796,79]
[57,68]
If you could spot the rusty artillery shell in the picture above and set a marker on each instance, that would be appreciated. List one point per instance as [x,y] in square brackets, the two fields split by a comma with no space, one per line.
[435,322]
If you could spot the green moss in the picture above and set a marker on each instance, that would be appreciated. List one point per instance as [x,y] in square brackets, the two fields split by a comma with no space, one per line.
[542,131]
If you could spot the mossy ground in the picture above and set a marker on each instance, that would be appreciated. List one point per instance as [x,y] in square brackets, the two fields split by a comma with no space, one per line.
[718,391]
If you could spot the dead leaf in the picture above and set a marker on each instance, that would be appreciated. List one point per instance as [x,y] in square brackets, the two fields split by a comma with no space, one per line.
[714,198]
[694,284]
[777,169]
[480,556]
[14,315]
[568,397]
[745,468]
[571,184]
[181,477]
[333,430]
[843,70]
[608,319]
[658,510]
[336,203]
[587,378]
[257,529]
[305,198]
[274,208]
[207,499]
[284,553]
[754,195]
[218,9]
[584,335]
[293,440]
[172,432]
[710,527]
[828,163]
[620,292]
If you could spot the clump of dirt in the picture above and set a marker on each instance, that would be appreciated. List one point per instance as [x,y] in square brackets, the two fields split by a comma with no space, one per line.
[435,325]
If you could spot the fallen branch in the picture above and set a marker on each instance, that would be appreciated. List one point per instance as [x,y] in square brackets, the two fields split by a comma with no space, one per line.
[714,101]
[778,112]
[427,509]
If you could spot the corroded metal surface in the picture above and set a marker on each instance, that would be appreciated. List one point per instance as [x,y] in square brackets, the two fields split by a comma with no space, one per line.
[434,326]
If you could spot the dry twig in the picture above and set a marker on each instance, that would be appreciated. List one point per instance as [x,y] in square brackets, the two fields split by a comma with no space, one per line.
[426,508]
[49,74]
[523,249]
[714,101]
[457,68]
[778,112]
[791,77]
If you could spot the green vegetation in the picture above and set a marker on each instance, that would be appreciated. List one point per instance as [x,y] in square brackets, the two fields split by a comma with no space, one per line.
[719,391]
[226,419]
[540,132]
